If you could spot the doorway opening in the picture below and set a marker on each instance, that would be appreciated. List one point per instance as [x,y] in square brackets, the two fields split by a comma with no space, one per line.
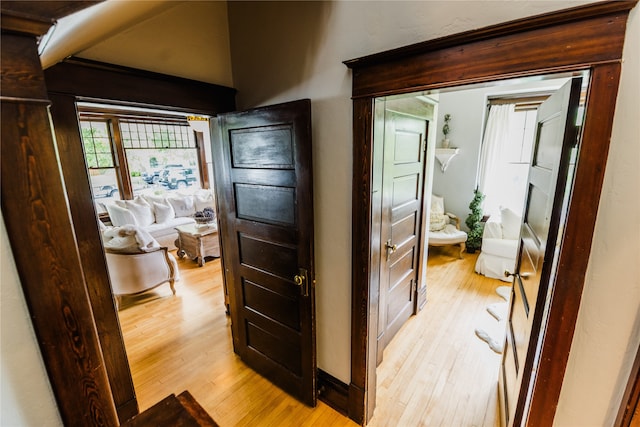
[435,353]
[156,165]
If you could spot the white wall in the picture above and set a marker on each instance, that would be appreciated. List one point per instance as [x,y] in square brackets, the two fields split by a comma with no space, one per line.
[25,392]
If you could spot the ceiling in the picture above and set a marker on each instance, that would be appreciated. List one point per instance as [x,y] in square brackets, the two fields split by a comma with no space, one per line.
[180,38]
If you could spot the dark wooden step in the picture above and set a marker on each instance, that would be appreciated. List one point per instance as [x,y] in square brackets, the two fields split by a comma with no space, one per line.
[174,411]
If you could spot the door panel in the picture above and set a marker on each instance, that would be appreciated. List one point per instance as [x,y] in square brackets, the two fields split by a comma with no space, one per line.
[402,182]
[262,163]
[555,136]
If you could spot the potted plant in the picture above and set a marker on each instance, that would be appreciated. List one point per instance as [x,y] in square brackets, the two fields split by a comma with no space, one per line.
[445,130]
[474,222]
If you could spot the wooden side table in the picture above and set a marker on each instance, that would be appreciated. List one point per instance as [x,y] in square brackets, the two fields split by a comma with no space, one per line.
[198,242]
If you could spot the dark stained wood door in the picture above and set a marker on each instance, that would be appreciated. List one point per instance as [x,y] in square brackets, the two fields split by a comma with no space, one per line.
[402,183]
[555,138]
[262,164]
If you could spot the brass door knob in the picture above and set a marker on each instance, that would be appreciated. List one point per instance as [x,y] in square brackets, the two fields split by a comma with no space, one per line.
[390,247]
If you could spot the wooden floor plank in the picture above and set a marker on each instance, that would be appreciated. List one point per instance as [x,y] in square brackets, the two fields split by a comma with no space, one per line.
[435,372]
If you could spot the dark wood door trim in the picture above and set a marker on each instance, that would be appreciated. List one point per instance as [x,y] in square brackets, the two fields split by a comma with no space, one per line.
[78,187]
[41,233]
[583,38]
[93,80]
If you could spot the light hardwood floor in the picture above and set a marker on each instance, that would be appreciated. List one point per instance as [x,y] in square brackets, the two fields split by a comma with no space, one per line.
[434,373]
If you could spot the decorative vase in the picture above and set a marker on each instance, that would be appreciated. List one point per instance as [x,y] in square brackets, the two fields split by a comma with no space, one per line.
[445,143]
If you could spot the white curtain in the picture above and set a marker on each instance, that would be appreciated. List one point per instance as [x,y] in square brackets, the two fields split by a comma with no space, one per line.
[496,137]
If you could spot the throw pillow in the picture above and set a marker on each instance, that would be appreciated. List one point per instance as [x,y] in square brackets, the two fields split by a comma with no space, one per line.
[120,216]
[511,223]
[122,245]
[183,206]
[164,212]
[437,204]
[142,212]
[438,222]
[202,201]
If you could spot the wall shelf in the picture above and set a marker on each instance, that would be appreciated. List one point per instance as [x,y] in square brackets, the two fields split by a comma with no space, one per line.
[444,156]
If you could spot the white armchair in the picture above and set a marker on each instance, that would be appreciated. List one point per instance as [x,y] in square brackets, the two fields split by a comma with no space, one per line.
[136,273]
[499,245]
[136,262]
[441,231]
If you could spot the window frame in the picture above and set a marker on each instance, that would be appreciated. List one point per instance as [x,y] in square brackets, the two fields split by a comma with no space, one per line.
[114,118]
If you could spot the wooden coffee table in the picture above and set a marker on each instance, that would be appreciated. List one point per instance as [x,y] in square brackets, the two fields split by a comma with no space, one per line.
[198,242]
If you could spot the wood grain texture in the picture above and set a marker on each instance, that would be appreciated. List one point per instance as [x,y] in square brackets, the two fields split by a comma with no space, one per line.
[72,162]
[363,306]
[42,238]
[268,244]
[41,233]
[21,75]
[34,18]
[436,372]
[178,411]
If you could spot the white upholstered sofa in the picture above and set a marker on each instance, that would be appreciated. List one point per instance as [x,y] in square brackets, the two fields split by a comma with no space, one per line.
[160,214]
[499,245]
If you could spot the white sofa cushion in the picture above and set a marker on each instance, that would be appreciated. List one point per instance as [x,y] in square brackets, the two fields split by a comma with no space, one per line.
[450,235]
[438,219]
[128,239]
[169,226]
[203,200]
[492,228]
[510,224]
[120,216]
[494,266]
[142,212]
[164,212]
[183,205]
[166,233]
[140,209]
[500,247]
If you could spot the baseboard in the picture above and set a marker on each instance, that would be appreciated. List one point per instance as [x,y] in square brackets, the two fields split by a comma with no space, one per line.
[333,392]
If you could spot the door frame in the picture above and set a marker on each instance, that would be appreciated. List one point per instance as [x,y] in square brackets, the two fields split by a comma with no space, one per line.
[589,38]
[108,84]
